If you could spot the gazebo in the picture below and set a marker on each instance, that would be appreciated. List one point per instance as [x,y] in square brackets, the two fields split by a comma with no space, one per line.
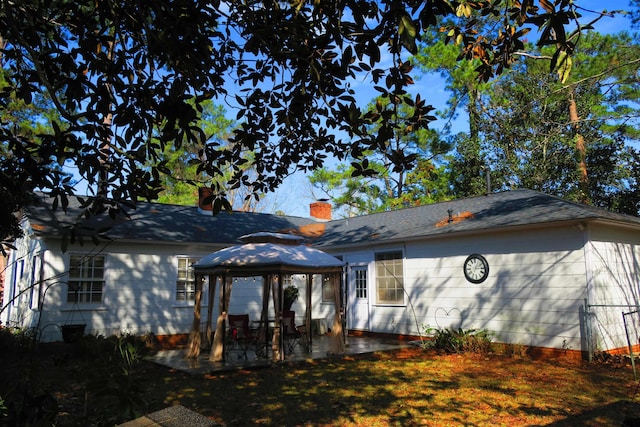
[270,256]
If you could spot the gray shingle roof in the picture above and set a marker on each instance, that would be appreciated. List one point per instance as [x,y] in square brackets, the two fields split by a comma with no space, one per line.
[167,223]
[170,223]
[476,214]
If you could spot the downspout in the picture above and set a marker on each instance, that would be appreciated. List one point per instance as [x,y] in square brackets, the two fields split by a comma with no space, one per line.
[345,304]
[279,317]
[307,315]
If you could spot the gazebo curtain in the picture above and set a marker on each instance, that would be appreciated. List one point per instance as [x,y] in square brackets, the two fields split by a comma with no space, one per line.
[195,337]
[277,340]
[217,349]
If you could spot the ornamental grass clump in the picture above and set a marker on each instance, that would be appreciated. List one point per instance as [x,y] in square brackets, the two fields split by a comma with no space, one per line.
[451,340]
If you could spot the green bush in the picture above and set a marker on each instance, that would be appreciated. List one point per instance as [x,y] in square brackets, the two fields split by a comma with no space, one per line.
[459,340]
[111,377]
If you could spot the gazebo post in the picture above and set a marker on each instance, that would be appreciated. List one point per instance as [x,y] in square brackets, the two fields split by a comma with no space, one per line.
[276,341]
[213,281]
[307,313]
[263,330]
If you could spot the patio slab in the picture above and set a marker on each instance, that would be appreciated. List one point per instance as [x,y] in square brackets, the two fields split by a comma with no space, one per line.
[238,360]
[179,416]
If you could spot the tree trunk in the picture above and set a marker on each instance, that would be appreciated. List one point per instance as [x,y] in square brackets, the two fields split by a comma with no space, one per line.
[581,149]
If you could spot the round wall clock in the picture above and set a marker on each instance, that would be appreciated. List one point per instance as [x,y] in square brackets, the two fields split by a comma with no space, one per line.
[476,268]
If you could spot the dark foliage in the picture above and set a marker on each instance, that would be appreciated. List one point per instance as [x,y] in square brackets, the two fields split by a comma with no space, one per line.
[127,78]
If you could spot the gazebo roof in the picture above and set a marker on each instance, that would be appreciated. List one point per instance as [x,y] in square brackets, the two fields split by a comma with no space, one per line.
[263,256]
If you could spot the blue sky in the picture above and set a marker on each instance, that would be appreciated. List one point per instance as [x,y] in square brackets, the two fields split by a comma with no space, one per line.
[296,193]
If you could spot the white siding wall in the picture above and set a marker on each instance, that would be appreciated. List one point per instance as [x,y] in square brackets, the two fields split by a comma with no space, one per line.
[534,293]
[22,283]
[614,257]
[138,294]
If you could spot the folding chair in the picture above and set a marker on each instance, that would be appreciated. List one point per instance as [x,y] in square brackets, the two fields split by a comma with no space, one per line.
[293,335]
[242,337]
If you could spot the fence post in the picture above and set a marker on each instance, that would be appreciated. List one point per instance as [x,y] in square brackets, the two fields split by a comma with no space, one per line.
[626,330]
[588,330]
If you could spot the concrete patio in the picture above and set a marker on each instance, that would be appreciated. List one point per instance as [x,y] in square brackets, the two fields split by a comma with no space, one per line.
[237,359]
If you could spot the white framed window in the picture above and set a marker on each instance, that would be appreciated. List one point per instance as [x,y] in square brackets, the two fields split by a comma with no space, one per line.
[390,277]
[35,286]
[18,272]
[186,283]
[86,279]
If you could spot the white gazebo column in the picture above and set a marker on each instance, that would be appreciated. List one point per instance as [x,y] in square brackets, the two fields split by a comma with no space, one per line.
[263,329]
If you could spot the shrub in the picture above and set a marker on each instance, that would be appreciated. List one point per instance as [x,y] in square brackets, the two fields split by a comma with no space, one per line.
[112,376]
[459,340]
[515,351]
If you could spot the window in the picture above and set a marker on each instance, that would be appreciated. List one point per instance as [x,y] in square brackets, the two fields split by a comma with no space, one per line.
[360,277]
[389,277]
[86,279]
[186,285]
[18,272]
[36,286]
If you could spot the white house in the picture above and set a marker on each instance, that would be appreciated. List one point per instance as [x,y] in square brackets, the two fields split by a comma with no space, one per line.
[533,269]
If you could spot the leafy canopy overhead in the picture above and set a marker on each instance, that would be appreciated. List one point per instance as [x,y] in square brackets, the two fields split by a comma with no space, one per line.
[129,78]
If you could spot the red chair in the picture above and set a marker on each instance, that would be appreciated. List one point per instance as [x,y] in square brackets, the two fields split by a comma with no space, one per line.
[242,337]
[293,335]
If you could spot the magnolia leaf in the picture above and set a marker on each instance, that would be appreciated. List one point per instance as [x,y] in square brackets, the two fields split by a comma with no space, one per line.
[564,67]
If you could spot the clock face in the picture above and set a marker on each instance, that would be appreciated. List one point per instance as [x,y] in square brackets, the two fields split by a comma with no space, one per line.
[476,268]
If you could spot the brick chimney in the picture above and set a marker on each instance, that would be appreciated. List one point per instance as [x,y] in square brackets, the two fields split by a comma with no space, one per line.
[203,193]
[321,210]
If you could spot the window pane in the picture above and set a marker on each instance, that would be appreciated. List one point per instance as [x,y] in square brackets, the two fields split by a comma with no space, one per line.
[181,292]
[186,283]
[361,283]
[389,277]
[86,279]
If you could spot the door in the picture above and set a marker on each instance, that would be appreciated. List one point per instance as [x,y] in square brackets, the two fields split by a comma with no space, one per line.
[358,298]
